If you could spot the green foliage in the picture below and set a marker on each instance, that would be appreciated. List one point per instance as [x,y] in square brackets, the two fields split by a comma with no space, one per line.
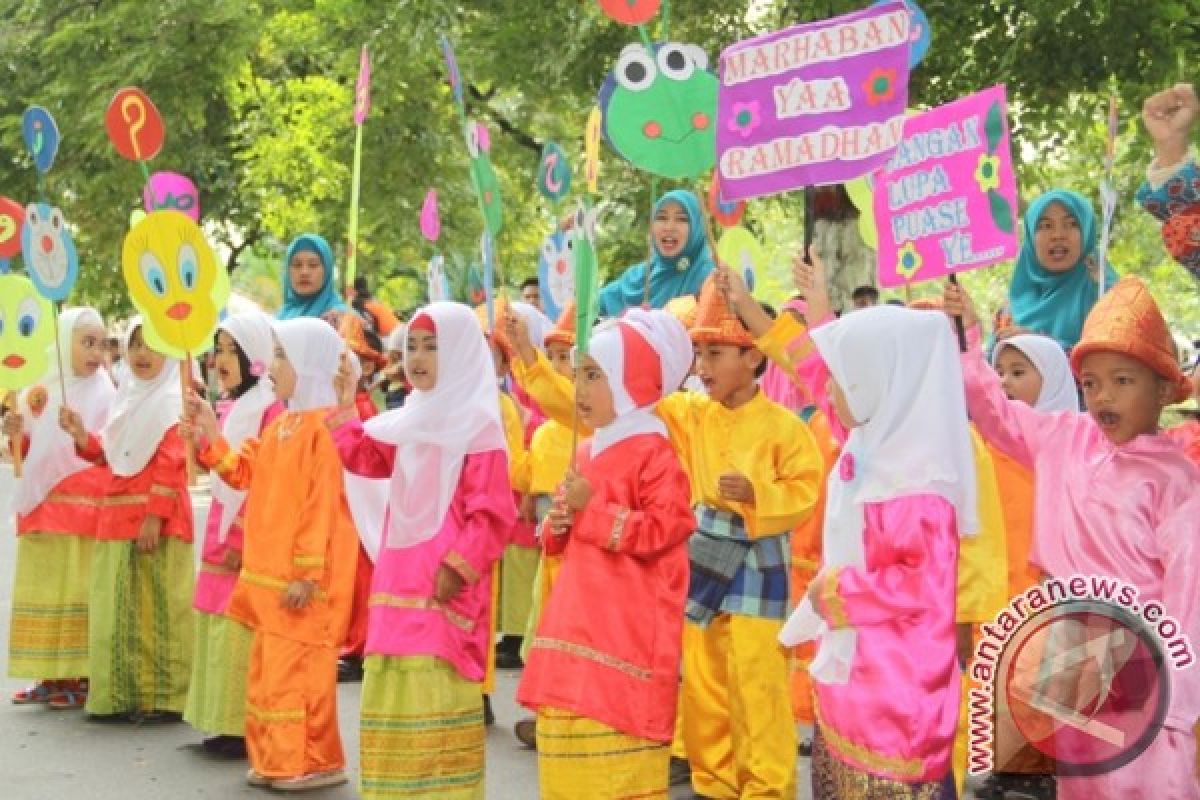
[257,99]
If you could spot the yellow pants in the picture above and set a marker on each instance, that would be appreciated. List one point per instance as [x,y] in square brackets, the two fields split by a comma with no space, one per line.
[581,758]
[737,724]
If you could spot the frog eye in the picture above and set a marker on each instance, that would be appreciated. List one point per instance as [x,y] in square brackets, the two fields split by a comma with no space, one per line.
[635,68]
[675,62]
[697,55]
[153,274]
[28,314]
[187,266]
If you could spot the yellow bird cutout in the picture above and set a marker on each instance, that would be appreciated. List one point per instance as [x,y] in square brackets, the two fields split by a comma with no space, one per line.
[26,332]
[175,282]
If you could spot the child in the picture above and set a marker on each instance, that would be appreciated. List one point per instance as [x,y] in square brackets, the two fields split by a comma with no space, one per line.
[140,618]
[395,385]
[603,674]
[58,505]
[902,490]
[294,589]
[680,258]
[1113,497]
[1054,284]
[217,694]
[449,512]
[1171,192]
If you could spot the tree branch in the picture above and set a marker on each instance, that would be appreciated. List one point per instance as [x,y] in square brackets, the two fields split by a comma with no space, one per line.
[521,137]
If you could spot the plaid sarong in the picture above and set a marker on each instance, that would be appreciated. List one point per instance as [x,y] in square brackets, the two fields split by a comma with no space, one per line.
[732,573]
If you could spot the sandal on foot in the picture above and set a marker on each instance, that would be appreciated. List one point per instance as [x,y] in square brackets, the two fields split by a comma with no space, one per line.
[38,693]
[68,700]
[313,780]
[255,779]
[225,746]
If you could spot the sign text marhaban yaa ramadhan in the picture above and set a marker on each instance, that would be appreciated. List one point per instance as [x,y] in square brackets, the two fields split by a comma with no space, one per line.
[818,103]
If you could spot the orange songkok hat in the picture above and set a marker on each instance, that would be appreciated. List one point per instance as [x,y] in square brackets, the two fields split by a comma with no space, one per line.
[563,331]
[715,321]
[1127,321]
[498,336]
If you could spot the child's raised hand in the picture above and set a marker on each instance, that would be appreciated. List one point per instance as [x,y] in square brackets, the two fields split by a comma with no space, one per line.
[736,487]
[71,422]
[343,381]
[957,303]
[447,584]
[576,491]
[812,281]
[1168,117]
[518,334]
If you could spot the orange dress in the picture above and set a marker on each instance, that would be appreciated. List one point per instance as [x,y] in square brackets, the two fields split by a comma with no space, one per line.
[298,527]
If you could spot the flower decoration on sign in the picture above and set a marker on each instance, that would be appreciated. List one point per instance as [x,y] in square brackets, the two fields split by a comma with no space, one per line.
[880,86]
[909,261]
[987,172]
[745,119]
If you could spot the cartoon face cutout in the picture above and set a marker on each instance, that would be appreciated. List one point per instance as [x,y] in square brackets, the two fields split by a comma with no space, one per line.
[483,176]
[660,109]
[554,173]
[556,273]
[49,251]
[26,332]
[174,281]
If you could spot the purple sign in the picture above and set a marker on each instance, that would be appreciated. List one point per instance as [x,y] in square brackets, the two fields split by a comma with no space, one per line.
[818,103]
[170,191]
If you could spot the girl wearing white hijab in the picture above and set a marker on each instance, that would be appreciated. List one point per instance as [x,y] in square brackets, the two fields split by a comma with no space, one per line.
[140,624]
[900,495]
[217,693]
[603,670]
[448,515]
[57,509]
[296,582]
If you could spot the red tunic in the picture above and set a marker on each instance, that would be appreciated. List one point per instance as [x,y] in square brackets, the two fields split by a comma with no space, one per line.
[610,638]
[73,506]
[160,489]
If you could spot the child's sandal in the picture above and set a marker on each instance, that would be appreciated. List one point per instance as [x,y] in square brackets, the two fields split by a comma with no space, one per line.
[71,699]
[40,692]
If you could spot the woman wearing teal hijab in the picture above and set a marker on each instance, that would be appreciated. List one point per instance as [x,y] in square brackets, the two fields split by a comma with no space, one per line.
[1054,285]
[308,282]
[681,261]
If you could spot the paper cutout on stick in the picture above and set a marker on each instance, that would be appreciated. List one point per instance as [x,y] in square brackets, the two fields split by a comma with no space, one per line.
[40,132]
[483,176]
[452,73]
[439,283]
[660,109]
[726,214]
[362,88]
[26,332]
[631,12]
[170,191]
[554,173]
[920,35]
[175,282]
[556,273]
[739,250]
[813,104]
[49,251]
[862,194]
[12,220]
[431,221]
[946,202]
[134,125]
[591,148]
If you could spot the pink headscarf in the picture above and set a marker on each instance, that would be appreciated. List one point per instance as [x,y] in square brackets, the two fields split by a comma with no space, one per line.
[776,384]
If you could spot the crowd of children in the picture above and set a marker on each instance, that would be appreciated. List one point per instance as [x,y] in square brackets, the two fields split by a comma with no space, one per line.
[709,526]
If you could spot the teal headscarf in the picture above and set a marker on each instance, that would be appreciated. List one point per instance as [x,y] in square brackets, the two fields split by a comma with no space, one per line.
[1056,303]
[669,277]
[324,299]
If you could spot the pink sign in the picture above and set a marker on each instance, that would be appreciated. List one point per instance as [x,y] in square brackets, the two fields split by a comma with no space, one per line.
[814,104]
[170,191]
[362,88]
[946,201]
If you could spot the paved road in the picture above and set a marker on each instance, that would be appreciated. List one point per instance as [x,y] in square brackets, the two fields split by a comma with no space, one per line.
[47,755]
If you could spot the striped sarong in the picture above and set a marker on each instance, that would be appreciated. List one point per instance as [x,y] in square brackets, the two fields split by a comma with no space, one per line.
[580,757]
[48,637]
[216,701]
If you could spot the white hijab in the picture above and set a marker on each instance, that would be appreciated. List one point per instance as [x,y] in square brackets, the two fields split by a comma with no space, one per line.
[899,370]
[52,456]
[1048,358]
[252,332]
[436,429]
[669,340]
[144,412]
[314,350]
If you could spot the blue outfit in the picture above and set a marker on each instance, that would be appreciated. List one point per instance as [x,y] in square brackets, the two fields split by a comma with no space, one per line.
[1056,304]
[1178,196]
[669,277]
[324,299]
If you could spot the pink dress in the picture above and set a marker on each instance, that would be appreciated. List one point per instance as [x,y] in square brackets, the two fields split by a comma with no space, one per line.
[896,715]
[215,581]
[403,618]
[1128,511]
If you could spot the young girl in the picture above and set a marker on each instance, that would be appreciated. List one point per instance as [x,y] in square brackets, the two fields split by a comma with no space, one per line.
[294,589]
[604,676]
[680,258]
[217,695]
[309,288]
[1113,497]
[450,509]
[140,618]
[1054,284]
[58,505]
